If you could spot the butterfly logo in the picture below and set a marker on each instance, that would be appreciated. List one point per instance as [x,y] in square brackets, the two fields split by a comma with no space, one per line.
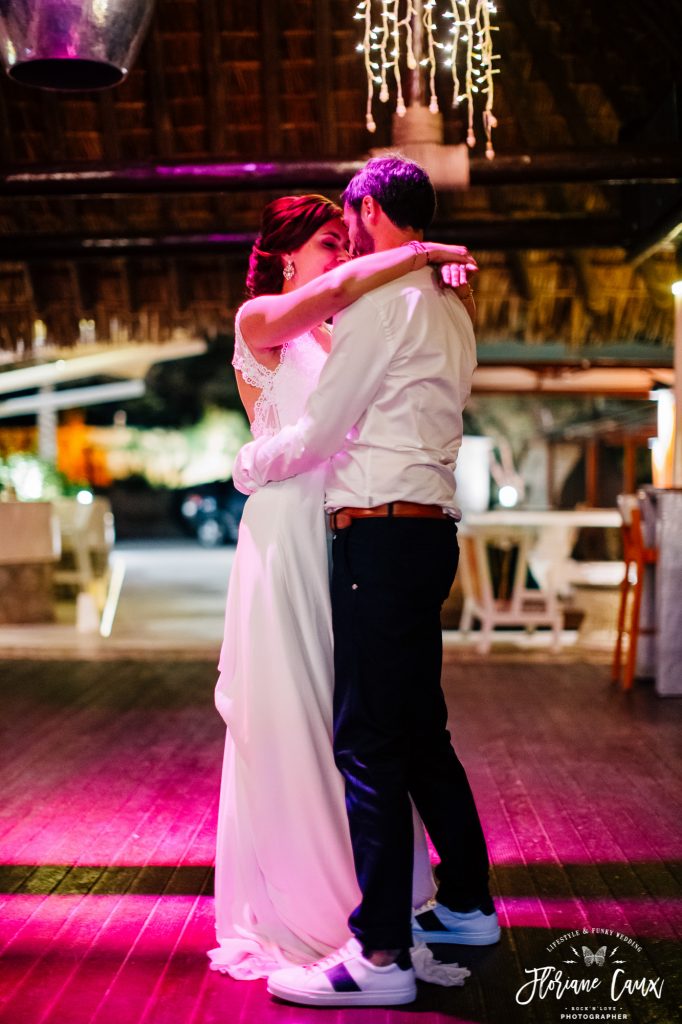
[597,958]
[591,959]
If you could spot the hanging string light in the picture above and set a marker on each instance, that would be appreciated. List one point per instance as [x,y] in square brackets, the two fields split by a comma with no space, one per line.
[410,31]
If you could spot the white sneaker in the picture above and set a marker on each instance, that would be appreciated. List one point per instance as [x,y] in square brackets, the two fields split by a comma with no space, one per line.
[436,923]
[345,978]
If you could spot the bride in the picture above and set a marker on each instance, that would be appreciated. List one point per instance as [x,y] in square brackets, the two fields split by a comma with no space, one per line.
[284,882]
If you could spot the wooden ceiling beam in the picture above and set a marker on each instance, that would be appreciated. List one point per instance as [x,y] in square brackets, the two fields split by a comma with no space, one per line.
[615,165]
[508,234]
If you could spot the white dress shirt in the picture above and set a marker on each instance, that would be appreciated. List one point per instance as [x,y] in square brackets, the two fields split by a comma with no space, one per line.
[388,406]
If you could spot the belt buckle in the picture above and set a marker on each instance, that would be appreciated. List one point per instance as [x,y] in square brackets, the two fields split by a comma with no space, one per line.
[340,520]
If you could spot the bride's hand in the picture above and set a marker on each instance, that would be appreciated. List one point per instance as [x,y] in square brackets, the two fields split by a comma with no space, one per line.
[457,276]
[454,255]
[455,266]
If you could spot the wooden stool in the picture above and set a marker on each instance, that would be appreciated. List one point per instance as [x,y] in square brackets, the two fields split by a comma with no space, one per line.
[636,556]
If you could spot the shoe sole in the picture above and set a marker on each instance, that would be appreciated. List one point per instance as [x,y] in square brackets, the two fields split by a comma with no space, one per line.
[458,938]
[343,998]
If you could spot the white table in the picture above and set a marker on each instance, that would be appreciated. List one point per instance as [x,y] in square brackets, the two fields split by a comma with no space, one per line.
[555,532]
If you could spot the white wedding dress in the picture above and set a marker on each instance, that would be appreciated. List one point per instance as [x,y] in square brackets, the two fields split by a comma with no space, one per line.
[285,882]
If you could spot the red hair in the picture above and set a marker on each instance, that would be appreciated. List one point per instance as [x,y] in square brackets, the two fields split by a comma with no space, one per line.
[286,225]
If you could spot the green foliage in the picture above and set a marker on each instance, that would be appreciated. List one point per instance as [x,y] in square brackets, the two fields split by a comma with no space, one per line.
[195,454]
[31,478]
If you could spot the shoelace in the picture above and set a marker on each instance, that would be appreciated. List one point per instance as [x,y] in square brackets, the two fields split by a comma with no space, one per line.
[331,960]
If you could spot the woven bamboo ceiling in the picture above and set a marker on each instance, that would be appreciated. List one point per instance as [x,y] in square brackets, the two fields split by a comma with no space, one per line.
[575,224]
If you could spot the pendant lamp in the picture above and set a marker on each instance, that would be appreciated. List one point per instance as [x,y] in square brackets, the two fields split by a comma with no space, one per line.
[71,45]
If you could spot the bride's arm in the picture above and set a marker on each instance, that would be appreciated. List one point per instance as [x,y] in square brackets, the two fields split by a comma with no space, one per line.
[269,321]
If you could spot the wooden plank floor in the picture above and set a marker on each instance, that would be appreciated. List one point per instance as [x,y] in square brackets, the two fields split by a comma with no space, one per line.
[109,774]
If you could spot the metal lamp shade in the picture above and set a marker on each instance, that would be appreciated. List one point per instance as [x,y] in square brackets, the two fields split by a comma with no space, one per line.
[71,44]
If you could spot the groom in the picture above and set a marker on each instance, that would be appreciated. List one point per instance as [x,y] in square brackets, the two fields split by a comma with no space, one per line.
[387,413]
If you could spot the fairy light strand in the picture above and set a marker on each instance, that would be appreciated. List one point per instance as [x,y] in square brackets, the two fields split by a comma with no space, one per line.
[428,26]
[454,33]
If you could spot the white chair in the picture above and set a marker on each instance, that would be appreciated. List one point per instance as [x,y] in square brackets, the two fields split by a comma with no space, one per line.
[87,533]
[515,604]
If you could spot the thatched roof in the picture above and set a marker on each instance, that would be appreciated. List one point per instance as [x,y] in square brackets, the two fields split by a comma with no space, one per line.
[566,255]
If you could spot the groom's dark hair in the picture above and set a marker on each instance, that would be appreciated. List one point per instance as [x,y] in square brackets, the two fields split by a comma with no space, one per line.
[402,188]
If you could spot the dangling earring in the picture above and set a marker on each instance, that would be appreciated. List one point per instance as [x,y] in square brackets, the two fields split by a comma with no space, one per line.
[289,269]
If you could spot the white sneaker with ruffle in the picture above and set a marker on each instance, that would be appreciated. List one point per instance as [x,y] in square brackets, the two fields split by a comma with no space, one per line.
[346,978]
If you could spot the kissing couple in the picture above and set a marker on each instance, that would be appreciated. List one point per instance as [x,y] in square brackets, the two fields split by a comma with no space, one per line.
[338,758]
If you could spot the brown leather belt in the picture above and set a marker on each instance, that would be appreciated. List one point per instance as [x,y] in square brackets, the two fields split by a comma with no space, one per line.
[343,517]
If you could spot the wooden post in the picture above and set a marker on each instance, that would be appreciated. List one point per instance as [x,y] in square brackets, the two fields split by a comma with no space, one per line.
[591,472]
[629,453]
[551,497]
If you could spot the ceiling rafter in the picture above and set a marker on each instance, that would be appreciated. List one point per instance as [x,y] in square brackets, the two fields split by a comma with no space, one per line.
[540,45]
[161,122]
[6,136]
[218,138]
[591,44]
[325,76]
[214,78]
[518,264]
[662,32]
[54,127]
[111,143]
[556,194]
[270,77]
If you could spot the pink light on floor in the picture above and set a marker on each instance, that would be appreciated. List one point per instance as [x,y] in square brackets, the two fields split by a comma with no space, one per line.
[110,923]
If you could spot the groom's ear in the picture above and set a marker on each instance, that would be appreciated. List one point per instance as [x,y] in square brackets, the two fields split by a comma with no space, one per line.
[370,210]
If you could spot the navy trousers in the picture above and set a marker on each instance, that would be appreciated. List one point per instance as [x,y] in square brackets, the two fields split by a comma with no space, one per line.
[390,578]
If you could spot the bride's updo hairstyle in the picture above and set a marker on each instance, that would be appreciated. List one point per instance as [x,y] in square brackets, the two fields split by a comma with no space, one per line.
[286,225]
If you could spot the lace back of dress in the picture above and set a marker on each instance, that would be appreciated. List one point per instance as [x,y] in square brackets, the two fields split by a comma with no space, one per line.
[285,390]
[265,415]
